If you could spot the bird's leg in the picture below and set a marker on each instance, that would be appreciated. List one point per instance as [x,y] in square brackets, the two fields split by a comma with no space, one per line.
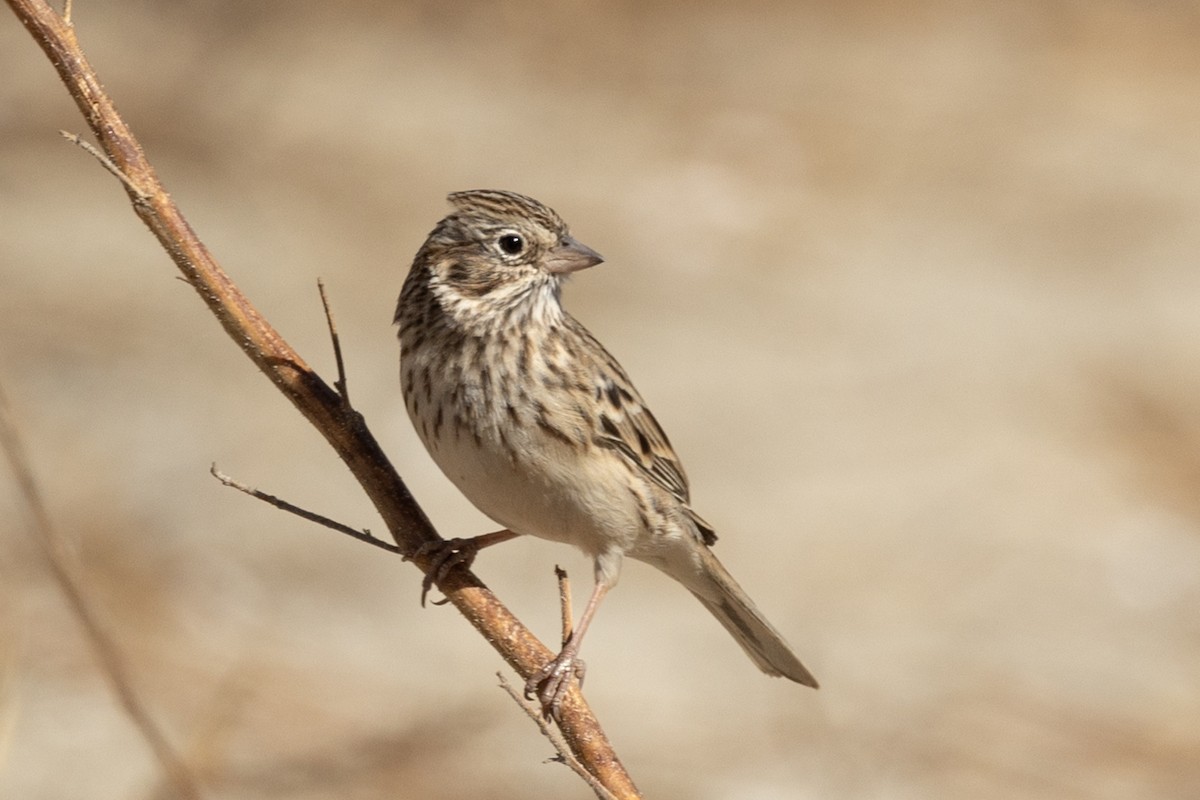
[447,554]
[550,683]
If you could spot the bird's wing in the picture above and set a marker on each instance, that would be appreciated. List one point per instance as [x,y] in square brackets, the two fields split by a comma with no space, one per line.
[626,425]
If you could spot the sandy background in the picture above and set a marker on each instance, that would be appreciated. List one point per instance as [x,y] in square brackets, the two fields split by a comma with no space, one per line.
[913,289]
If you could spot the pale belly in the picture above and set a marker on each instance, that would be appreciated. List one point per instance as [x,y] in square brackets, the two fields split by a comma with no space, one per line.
[536,485]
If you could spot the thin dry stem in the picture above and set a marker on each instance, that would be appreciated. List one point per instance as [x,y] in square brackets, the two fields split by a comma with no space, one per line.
[62,568]
[320,404]
[105,162]
[361,535]
[340,384]
[564,602]
[534,712]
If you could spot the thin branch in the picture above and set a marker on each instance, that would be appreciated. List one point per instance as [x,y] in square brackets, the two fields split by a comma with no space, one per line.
[340,384]
[564,602]
[112,662]
[363,535]
[534,712]
[321,405]
[105,162]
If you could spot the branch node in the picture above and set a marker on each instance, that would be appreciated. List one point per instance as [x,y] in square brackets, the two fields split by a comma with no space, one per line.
[140,196]
[340,384]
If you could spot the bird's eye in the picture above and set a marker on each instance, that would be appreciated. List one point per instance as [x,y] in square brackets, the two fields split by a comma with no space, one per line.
[511,243]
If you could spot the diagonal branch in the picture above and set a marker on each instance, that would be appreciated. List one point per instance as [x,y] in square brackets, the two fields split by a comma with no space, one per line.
[341,426]
[112,661]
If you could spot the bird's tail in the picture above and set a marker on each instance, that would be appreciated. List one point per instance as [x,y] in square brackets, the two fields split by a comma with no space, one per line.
[721,595]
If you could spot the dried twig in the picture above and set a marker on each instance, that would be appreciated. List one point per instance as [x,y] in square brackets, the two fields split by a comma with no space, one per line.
[105,162]
[340,384]
[363,535]
[564,602]
[320,404]
[112,662]
[534,712]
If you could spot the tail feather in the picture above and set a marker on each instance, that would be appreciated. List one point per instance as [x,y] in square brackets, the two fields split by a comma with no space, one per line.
[722,596]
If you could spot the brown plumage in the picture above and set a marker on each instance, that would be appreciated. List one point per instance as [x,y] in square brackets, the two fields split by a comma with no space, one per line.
[540,427]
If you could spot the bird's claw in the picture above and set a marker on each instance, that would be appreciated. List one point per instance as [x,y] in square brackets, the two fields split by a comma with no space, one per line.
[549,684]
[444,556]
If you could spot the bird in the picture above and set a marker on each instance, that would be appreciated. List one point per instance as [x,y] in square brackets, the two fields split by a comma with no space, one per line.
[539,427]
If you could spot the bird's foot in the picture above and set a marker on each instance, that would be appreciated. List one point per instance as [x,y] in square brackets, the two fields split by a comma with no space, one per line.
[549,684]
[444,556]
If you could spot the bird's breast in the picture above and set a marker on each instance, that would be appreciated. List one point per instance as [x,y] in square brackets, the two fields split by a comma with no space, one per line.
[521,452]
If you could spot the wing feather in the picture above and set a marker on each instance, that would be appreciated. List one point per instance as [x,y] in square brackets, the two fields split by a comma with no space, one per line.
[626,425]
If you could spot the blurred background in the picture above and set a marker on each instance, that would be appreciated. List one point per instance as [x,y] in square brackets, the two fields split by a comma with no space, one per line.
[912,287]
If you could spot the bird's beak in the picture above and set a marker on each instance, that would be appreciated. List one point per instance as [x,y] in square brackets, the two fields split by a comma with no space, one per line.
[571,256]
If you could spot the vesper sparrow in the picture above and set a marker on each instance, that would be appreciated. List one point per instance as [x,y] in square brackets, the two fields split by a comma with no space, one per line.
[533,420]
